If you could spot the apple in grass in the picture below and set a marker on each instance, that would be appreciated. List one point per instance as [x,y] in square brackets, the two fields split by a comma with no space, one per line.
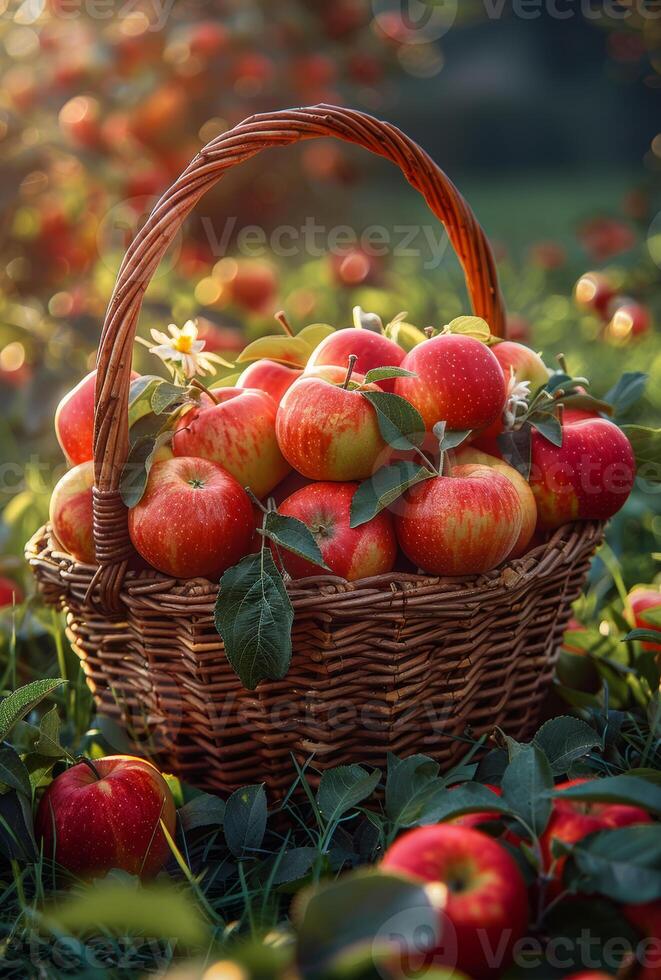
[235,427]
[457,378]
[74,420]
[487,905]
[70,512]
[194,519]
[326,430]
[588,477]
[269,376]
[467,454]
[107,814]
[350,552]
[465,523]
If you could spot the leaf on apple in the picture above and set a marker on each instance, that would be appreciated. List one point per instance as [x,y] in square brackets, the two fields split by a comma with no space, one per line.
[646,445]
[548,426]
[627,391]
[292,351]
[314,333]
[384,373]
[516,447]
[254,616]
[622,864]
[135,474]
[644,635]
[629,790]
[587,402]
[166,396]
[449,438]
[140,394]
[471,326]
[293,535]
[527,786]
[387,485]
[21,701]
[400,424]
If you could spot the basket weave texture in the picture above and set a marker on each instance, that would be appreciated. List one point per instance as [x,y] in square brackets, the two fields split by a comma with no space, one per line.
[402,663]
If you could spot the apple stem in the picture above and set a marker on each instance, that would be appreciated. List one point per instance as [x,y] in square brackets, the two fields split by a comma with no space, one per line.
[90,765]
[429,332]
[281,317]
[562,362]
[256,501]
[352,363]
[201,387]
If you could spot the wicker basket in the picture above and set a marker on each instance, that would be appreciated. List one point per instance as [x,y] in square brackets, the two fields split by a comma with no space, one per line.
[401,663]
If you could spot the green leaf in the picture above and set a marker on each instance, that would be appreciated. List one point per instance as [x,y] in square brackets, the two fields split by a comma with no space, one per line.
[628,390]
[16,828]
[400,424]
[527,785]
[516,448]
[288,865]
[294,536]
[245,820]
[133,481]
[204,810]
[159,911]
[559,379]
[468,798]
[623,864]
[314,333]
[254,616]
[13,773]
[449,438]
[646,444]
[140,394]
[630,790]
[48,736]
[384,373]
[587,402]
[387,485]
[23,700]
[343,788]
[412,789]
[548,426]
[39,768]
[565,739]
[166,395]
[348,925]
[471,326]
[645,636]
[293,351]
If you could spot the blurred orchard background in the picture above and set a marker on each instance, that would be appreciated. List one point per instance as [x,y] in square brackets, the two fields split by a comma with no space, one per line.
[548,124]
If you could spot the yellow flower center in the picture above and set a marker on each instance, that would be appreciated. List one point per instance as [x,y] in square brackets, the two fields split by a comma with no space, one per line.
[183,343]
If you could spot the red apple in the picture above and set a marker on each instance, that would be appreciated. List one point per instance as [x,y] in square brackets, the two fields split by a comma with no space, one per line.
[589,477]
[461,524]
[71,512]
[629,319]
[593,292]
[352,553]
[254,285]
[572,820]
[526,364]
[640,599]
[238,433]
[328,432]
[467,454]
[74,420]
[194,519]
[487,906]
[372,349]
[458,381]
[106,814]
[10,592]
[270,377]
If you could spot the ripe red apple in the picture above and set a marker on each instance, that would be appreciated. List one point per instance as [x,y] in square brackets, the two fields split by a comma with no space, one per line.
[350,552]
[328,432]
[254,285]
[106,814]
[10,592]
[593,291]
[467,454]
[458,381]
[572,820]
[194,519]
[487,906]
[70,512]
[238,433]
[589,477]
[74,420]
[629,319]
[461,524]
[526,364]
[269,376]
[640,599]
[372,349]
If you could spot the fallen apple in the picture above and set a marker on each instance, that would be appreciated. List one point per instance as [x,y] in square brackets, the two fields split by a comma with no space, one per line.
[487,905]
[238,433]
[107,814]
[351,553]
[194,519]
[70,512]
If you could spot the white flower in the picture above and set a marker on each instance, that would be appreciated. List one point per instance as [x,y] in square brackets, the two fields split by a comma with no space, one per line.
[518,395]
[183,345]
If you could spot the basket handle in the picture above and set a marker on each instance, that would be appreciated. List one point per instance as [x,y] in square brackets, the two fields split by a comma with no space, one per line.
[113,547]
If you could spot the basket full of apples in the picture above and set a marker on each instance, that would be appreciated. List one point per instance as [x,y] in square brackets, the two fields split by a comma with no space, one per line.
[365,540]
